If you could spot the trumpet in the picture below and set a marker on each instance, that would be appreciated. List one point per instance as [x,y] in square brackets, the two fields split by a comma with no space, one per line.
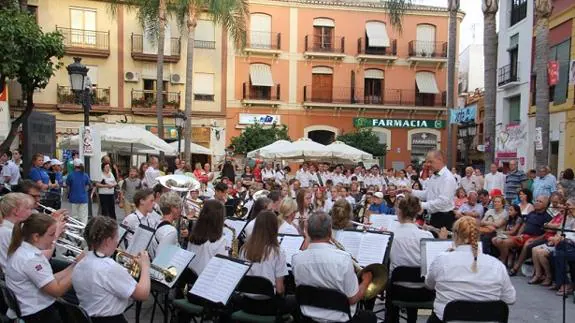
[68,245]
[47,210]
[128,261]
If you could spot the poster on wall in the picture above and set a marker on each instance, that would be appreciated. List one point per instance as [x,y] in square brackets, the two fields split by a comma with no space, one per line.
[538,139]
[87,142]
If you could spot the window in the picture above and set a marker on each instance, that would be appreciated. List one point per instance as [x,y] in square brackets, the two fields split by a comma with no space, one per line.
[83,25]
[377,39]
[425,40]
[33,10]
[323,34]
[513,51]
[514,112]
[518,11]
[203,87]
[425,89]
[150,90]
[373,86]
[260,31]
[205,35]
[561,54]
[93,74]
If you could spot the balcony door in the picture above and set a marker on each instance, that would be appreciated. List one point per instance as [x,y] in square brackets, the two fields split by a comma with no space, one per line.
[150,90]
[83,25]
[425,40]
[373,86]
[322,87]
[323,33]
[260,31]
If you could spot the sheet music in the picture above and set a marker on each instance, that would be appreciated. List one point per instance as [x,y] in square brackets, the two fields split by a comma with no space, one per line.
[168,256]
[366,247]
[141,240]
[387,221]
[121,232]
[291,245]
[351,241]
[219,279]
[430,249]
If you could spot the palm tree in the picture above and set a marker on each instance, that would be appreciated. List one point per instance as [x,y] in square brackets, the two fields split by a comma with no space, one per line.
[490,44]
[453,7]
[232,15]
[543,9]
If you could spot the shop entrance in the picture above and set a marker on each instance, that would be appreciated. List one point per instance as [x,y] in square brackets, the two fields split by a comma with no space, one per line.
[324,137]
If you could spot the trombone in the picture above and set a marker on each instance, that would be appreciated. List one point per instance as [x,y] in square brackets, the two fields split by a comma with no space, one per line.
[128,261]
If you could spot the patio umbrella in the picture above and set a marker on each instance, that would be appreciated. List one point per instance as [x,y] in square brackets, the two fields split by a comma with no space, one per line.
[303,148]
[264,152]
[194,149]
[341,150]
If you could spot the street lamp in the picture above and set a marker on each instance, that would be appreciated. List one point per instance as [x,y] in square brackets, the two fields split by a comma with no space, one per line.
[467,132]
[180,120]
[80,84]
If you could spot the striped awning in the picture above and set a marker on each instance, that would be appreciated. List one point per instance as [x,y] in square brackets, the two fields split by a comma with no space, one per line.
[373,73]
[426,82]
[261,75]
[377,34]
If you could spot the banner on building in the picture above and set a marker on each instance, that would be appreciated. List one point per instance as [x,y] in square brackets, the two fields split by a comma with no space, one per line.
[464,115]
[553,72]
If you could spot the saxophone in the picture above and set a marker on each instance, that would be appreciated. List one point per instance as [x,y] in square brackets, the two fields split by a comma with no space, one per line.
[234,253]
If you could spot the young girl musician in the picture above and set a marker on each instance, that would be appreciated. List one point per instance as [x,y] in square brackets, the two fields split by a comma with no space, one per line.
[103,286]
[28,273]
[207,239]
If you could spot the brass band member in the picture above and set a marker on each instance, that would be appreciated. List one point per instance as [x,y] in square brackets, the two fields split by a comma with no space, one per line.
[103,286]
[288,210]
[323,265]
[303,199]
[166,233]
[341,216]
[29,274]
[15,208]
[261,204]
[467,274]
[207,239]
[144,201]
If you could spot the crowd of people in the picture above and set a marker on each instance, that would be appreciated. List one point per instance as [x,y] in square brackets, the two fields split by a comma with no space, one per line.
[498,221]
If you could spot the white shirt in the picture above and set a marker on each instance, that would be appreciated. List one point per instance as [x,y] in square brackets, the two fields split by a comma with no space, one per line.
[405,249]
[28,271]
[12,171]
[108,180]
[440,192]
[322,265]
[165,235]
[451,276]
[249,228]
[275,266]
[280,177]
[286,228]
[5,238]
[469,184]
[268,174]
[103,286]
[324,177]
[133,221]
[399,182]
[205,252]
[303,177]
[493,181]
[337,179]
[150,177]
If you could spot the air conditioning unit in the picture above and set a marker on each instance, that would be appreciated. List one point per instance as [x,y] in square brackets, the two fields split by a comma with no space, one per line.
[131,77]
[176,79]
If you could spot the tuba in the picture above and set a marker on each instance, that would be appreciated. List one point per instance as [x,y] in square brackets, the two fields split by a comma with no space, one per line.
[234,253]
[379,272]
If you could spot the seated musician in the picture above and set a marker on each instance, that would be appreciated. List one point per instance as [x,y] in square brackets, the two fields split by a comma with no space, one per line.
[29,274]
[467,274]
[103,286]
[166,233]
[144,202]
[15,208]
[261,204]
[193,203]
[288,210]
[207,239]
[379,206]
[323,265]
[341,213]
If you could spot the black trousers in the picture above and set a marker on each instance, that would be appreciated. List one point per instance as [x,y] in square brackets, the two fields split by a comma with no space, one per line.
[109,319]
[434,319]
[49,314]
[108,205]
[364,317]
[398,292]
[442,219]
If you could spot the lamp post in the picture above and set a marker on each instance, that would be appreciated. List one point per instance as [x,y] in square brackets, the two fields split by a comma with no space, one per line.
[467,134]
[180,120]
[81,85]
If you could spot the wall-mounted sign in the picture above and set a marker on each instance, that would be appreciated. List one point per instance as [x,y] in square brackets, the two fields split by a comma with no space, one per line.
[424,139]
[464,115]
[398,123]
[264,119]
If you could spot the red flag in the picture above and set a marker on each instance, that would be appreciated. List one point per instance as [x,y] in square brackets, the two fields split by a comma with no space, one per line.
[553,72]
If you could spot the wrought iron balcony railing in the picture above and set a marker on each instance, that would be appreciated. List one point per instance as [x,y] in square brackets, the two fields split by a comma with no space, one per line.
[350,95]
[427,49]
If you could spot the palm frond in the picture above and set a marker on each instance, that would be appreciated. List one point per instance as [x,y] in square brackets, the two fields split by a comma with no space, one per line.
[232,15]
[396,10]
[147,13]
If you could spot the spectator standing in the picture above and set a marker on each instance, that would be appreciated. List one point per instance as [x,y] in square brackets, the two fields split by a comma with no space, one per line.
[544,183]
[494,179]
[470,181]
[152,172]
[567,184]
[106,192]
[130,185]
[515,180]
[78,184]
[55,194]
[11,171]
[531,177]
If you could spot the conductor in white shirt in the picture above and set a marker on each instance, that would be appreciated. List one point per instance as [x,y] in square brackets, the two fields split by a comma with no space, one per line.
[465,274]
[439,193]
[494,179]
[323,265]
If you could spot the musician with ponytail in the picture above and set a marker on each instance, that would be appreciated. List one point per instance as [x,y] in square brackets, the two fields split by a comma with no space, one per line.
[103,286]
[29,274]
[466,273]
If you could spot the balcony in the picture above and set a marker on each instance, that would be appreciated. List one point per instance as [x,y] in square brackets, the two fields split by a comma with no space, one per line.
[260,95]
[86,42]
[376,54]
[508,75]
[144,102]
[317,46]
[69,101]
[353,98]
[427,52]
[263,43]
[139,53]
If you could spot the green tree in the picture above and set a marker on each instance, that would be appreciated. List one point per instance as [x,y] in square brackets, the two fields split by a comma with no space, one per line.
[364,139]
[257,136]
[232,15]
[29,56]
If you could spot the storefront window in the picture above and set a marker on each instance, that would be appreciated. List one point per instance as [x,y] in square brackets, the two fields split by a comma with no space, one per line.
[421,144]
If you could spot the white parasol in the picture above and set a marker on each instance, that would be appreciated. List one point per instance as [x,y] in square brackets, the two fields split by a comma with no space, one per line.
[267,152]
[341,150]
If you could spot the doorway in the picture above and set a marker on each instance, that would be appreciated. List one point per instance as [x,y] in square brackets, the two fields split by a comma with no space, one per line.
[324,137]
[322,87]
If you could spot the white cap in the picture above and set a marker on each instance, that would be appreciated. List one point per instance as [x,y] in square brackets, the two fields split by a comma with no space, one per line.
[55,162]
[78,162]
[379,195]
[46,159]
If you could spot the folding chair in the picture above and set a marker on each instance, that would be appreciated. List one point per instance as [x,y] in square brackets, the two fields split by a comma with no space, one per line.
[325,298]
[264,309]
[489,311]
[71,313]
[10,300]
[411,298]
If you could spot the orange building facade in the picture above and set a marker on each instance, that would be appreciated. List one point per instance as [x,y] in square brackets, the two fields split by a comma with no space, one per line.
[323,68]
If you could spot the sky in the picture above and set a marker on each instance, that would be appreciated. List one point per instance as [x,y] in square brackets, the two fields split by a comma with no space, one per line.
[473,21]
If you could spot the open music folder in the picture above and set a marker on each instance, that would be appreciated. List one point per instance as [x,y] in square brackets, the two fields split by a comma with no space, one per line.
[291,244]
[171,256]
[220,278]
[366,247]
[141,240]
[387,221]
[432,248]
[238,225]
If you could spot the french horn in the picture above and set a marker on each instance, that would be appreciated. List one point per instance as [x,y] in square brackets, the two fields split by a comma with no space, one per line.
[179,183]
